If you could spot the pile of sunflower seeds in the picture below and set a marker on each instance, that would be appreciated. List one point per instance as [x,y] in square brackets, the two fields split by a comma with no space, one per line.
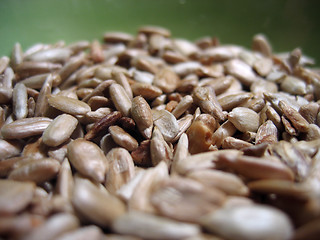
[155,137]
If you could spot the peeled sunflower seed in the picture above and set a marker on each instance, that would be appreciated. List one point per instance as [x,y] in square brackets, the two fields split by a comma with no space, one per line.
[56,226]
[59,130]
[15,196]
[88,232]
[88,159]
[122,138]
[9,148]
[121,169]
[159,149]
[142,115]
[241,71]
[249,222]
[19,98]
[229,183]
[166,79]
[38,171]
[120,99]
[184,199]
[134,223]
[69,105]
[96,204]
[50,55]
[25,127]
[140,197]
[166,123]
[244,119]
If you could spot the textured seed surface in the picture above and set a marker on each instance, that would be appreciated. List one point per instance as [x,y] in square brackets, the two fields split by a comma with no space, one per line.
[249,222]
[88,159]
[149,136]
[68,105]
[59,130]
[15,196]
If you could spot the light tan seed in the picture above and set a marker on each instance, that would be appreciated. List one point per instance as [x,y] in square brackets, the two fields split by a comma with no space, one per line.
[140,198]
[227,129]
[30,68]
[37,171]
[54,227]
[88,232]
[200,133]
[19,226]
[121,169]
[309,112]
[142,115]
[200,161]
[185,47]
[118,37]
[95,204]
[274,117]
[50,55]
[96,51]
[19,99]
[299,163]
[259,87]
[135,223]
[65,182]
[229,102]
[147,64]
[95,116]
[120,99]
[149,30]
[244,119]
[166,79]
[267,133]
[121,79]
[16,55]
[35,149]
[147,91]
[255,168]
[15,196]
[70,67]
[181,152]
[294,116]
[241,71]
[159,149]
[88,159]
[293,85]
[235,223]
[260,44]
[59,130]
[182,106]
[9,148]
[234,143]
[4,62]
[25,127]
[69,105]
[170,56]
[205,98]
[42,100]
[281,188]
[122,138]
[166,123]
[184,199]
[263,66]
[229,183]
[218,54]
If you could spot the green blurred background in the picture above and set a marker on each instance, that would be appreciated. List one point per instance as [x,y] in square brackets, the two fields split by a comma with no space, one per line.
[287,23]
